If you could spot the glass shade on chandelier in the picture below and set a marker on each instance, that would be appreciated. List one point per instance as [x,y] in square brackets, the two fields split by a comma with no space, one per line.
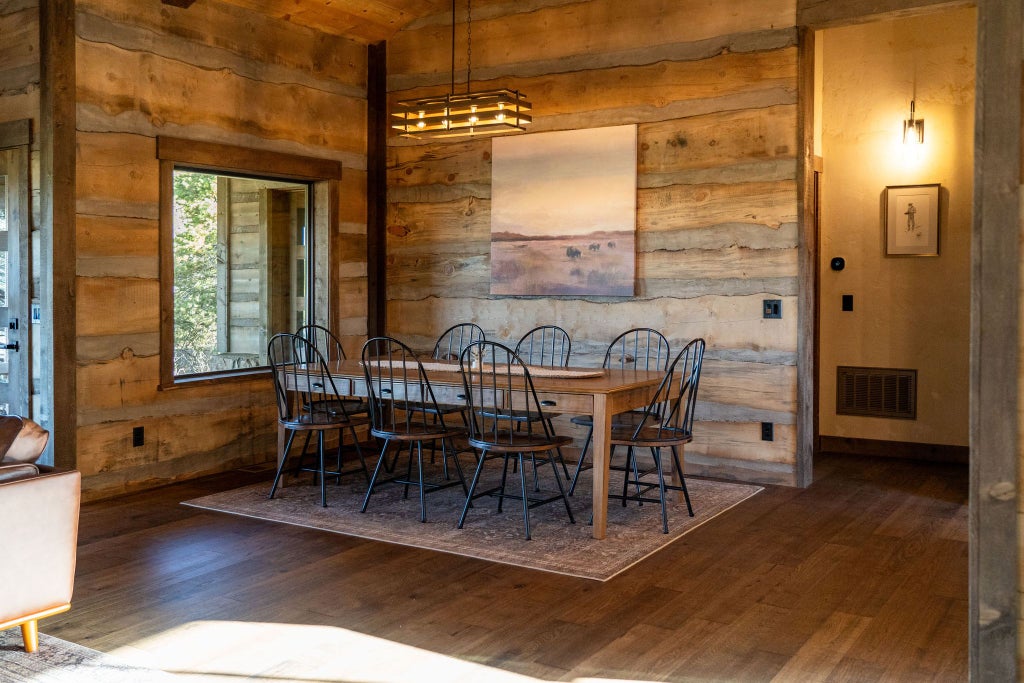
[472,113]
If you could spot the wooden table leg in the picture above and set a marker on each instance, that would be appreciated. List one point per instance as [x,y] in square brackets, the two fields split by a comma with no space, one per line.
[600,453]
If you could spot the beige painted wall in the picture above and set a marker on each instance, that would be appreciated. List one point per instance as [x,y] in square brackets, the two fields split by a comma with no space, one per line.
[910,312]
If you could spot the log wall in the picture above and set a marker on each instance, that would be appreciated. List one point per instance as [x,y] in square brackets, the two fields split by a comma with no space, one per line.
[715,101]
[147,69]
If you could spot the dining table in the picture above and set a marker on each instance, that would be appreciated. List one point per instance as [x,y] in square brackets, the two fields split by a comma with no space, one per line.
[599,392]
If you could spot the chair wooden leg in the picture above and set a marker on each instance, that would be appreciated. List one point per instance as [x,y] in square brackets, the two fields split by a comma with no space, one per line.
[30,634]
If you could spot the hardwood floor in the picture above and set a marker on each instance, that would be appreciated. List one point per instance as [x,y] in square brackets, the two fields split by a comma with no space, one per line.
[861,577]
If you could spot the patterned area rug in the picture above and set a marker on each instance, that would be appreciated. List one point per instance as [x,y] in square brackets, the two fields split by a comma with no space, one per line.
[634,532]
[58,661]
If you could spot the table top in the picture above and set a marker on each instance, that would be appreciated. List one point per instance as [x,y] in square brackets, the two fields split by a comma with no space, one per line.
[595,381]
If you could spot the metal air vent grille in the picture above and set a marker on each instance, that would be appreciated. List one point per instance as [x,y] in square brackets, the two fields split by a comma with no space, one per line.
[876,392]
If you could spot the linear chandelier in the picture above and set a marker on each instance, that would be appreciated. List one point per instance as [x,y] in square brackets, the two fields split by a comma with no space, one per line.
[454,114]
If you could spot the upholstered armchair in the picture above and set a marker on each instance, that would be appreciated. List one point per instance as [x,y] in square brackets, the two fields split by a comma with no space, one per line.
[38,530]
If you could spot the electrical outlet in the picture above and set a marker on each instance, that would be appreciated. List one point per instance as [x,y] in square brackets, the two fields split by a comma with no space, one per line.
[767,431]
[138,436]
[773,308]
[847,302]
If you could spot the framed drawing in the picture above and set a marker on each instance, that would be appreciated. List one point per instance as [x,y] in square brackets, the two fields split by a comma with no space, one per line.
[563,213]
[912,220]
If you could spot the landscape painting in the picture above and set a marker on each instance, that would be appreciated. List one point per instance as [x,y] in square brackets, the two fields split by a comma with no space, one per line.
[563,213]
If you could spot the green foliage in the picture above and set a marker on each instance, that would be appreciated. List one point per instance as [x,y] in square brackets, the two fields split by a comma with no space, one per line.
[195,271]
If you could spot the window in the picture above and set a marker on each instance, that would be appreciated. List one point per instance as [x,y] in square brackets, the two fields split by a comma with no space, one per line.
[238,254]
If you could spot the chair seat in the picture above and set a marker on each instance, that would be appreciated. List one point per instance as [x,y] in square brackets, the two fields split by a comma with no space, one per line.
[418,432]
[519,442]
[441,409]
[352,406]
[649,437]
[519,415]
[308,421]
[629,419]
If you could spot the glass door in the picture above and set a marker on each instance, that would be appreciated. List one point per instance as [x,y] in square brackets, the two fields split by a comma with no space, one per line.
[14,295]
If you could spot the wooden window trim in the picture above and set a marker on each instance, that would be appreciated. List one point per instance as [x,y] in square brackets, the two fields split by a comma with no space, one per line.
[324,176]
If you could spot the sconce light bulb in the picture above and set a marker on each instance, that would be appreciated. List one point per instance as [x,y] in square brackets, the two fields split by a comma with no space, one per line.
[421,124]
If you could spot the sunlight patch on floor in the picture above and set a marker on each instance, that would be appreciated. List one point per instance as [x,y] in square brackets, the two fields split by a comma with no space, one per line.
[214,651]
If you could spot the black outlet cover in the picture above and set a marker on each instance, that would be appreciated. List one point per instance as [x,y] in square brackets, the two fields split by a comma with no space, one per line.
[847,302]
[773,308]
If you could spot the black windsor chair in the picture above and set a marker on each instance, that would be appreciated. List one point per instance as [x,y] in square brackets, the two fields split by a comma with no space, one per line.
[667,422]
[452,341]
[331,350]
[506,422]
[547,345]
[306,402]
[404,410]
[639,349]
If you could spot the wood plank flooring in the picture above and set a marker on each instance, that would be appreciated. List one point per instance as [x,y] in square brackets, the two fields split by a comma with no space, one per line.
[861,577]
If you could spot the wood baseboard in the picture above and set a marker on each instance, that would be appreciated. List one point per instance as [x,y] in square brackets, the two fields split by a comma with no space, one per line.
[894,449]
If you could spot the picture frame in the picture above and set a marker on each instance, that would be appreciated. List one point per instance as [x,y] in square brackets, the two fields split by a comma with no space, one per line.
[912,220]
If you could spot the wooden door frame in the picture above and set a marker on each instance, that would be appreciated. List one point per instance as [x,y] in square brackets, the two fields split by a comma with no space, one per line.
[994,590]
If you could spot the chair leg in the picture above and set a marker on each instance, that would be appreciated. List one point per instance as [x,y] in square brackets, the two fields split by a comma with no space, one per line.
[423,493]
[661,489]
[561,489]
[472,487]
[504,478]
[630,459]
[526,499]
[359,454]
[30,635]
[284,459]
[458,465]
[579,465]
[323,474]
[636,473]
[682,479]
[408,474]
[381,464]
[302,456]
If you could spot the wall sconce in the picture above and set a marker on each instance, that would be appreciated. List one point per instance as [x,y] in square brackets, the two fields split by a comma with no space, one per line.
[913,129]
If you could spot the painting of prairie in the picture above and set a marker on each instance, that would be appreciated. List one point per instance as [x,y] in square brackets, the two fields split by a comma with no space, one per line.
[563,213]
